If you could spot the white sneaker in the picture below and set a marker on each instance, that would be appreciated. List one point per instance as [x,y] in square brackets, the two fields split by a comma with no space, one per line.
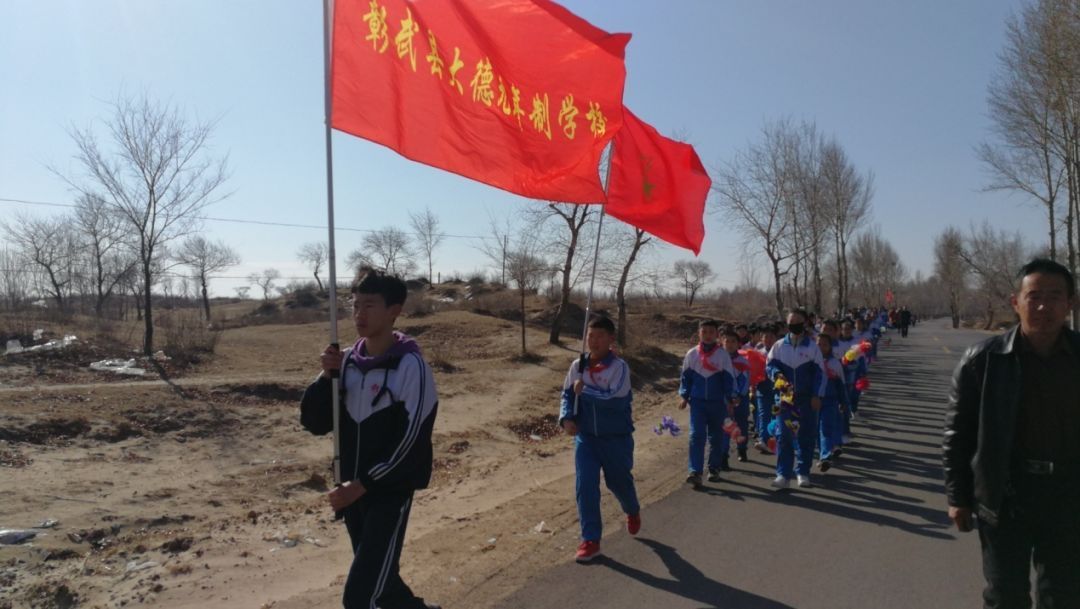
[781,482]
[854,416]
[804,482]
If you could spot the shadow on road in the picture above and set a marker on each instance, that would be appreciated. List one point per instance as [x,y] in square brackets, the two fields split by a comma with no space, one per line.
[689,582]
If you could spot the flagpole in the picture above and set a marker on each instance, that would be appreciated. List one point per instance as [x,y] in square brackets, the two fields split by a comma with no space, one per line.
[335,379]
[592,279]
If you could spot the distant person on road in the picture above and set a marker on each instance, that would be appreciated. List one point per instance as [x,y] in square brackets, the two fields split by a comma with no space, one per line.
[1012,446]
[596,410]
[905,321]
[387,409]
[707,386]
[796,360]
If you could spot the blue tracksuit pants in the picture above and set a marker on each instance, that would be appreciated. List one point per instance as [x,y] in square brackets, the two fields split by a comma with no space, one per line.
[796,453]
[707,423]
[831,426]
[614,455]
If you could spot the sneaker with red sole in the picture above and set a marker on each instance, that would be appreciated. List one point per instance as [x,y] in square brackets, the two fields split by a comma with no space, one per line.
[587,551]
[633,523]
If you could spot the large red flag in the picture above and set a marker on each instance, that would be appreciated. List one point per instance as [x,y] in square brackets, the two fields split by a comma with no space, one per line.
[518,94]
[658,185]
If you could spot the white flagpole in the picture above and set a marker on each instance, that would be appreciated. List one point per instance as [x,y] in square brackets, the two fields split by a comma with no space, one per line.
[592,279]
[335,380]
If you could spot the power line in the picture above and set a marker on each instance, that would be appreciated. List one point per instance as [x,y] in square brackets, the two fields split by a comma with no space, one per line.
[28,271]
[246,221]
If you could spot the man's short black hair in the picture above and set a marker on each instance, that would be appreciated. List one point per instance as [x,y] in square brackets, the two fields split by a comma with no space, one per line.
[831,323]
[800,312]
[770,329]
[742,327]
[708,323]
[1049,267]
[730,332]
[601,322]
[372,281]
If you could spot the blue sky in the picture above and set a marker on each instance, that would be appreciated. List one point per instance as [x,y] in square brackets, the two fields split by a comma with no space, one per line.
[901,84]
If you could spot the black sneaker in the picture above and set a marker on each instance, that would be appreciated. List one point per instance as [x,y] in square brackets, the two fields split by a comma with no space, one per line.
[714,474]
[725,466]
[824,465]
[837,452]
[694,479]
[742,454]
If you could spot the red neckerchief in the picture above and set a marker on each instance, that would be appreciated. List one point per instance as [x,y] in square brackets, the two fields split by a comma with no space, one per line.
[704,355]
[600,366]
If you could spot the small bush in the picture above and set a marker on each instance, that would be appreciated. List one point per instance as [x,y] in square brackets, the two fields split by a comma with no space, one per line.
[188,338]
[439,361]
[418,307]
[304,298]
[267,308]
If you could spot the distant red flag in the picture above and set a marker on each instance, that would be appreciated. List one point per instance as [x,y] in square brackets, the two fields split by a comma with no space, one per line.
[658,185]
[518,94]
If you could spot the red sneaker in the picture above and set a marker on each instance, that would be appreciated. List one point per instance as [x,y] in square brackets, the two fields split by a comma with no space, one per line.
[587,551]
[633,523]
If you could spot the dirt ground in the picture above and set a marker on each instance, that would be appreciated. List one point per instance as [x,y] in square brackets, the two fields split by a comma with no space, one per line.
[206,492]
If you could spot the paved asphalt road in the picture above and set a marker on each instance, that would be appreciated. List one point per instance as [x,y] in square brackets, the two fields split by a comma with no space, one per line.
[871,534]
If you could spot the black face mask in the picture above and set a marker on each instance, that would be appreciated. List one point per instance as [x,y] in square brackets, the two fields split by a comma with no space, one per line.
[796,329]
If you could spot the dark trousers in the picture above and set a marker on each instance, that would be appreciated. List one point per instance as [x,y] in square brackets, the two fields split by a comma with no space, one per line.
[1040,524]
[376,525]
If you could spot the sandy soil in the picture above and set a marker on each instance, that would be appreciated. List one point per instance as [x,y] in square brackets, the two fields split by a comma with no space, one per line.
[205,492]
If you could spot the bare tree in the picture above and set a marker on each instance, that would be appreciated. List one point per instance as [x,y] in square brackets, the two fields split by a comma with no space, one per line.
[847,206]
[808,242]
[206,258]
[621,268]
[158,176]
[564,243]
[994,257]
[242,291]
[755,192]
[49,245]
[1035,107]
[950,269]
[386,249]
[876,267]
[315,255]
[265,280]
[693,274]
[102,246]
[14,278]
[428,237]
[526,268]
[496,247]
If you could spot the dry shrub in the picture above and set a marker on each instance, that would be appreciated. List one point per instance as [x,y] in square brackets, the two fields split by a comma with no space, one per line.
[418,306]
[438,360]
[189,339]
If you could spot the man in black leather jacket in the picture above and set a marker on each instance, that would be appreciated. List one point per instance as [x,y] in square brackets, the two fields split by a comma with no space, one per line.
[1012,446]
